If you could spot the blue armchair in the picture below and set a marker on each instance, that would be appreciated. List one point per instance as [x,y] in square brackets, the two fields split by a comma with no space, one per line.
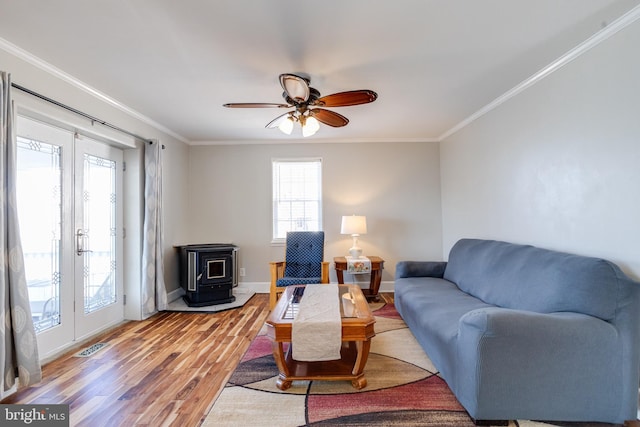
[304,263]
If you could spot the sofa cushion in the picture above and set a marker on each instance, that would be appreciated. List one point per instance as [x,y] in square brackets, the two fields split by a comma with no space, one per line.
[432,307]
[528,278]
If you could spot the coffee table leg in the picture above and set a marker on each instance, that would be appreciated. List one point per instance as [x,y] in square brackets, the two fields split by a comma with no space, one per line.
[279,356]
[362,354]
[360,383]
[282,384]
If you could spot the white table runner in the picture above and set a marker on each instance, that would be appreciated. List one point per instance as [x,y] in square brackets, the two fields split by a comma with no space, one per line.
[316,333]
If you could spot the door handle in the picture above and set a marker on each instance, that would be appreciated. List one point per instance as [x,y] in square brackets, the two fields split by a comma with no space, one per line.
[80,235]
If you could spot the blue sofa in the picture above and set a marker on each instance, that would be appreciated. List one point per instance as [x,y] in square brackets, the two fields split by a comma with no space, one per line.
[520,332]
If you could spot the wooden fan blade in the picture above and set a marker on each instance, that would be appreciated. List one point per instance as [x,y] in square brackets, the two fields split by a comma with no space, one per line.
[255,105]
[296,87]
[330,118]
[343,99]
[276,122]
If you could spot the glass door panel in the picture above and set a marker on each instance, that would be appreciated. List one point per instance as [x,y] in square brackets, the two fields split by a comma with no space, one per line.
[43,186]
[97,240]
[98,236]
[39,191]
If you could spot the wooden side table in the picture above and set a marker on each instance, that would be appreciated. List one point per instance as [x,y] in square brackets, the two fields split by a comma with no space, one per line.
[377,265]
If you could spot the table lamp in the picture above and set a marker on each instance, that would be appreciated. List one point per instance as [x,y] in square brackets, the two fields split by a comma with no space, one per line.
[354,225]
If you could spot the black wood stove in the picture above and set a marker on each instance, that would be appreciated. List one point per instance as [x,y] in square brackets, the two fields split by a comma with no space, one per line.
[208,273]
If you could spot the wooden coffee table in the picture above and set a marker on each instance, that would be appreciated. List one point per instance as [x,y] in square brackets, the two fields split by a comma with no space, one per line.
[357,332]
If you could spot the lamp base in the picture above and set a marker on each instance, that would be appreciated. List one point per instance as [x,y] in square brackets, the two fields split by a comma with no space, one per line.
[355,252]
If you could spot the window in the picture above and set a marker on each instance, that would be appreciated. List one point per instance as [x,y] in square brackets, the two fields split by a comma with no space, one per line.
[297,196]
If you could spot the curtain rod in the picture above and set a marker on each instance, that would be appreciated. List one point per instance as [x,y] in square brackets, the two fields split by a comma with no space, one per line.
[80,113]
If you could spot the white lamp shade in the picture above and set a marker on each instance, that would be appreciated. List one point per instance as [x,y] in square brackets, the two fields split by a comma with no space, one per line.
[354,224]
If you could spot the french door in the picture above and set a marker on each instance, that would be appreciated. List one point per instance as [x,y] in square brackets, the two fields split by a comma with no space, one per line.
[70,210]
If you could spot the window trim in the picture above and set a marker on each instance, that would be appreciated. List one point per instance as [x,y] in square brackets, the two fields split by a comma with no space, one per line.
[275,241]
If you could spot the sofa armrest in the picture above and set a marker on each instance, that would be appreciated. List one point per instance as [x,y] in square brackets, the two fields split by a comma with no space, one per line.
[540,351]
[420,269]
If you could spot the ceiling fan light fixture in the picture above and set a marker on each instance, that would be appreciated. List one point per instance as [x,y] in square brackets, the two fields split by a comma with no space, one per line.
[310,126]
[308,104]
[286,125]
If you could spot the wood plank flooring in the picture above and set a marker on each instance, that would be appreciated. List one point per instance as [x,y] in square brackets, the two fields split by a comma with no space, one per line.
[164,371]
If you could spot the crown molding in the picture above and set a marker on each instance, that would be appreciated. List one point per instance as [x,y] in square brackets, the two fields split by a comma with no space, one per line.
[58,73]
[602,35]
[313,141]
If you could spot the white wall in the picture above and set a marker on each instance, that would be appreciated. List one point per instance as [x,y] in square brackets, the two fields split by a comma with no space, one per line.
[396,185]
[558,166]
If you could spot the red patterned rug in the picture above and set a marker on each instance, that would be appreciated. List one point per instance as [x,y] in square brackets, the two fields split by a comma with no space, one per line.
[403,389]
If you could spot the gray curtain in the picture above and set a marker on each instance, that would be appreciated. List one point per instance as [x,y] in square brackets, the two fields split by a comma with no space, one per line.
[19,354]
[154,293]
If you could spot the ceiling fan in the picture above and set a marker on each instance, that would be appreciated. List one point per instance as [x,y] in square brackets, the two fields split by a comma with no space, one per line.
[307,103]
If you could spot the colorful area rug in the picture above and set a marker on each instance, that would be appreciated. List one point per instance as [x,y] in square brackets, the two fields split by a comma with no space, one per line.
[403,389]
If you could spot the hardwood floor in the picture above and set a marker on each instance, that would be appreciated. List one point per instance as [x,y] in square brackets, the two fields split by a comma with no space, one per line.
[164,371]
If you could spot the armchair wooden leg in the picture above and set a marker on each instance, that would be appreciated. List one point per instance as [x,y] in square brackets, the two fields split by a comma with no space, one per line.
[274,297]
[277,271]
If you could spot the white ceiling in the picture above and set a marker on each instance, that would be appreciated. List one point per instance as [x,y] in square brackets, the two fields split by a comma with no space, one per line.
[433,63]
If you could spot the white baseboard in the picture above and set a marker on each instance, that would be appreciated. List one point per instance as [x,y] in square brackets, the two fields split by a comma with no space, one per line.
[257,287]
[175,294]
